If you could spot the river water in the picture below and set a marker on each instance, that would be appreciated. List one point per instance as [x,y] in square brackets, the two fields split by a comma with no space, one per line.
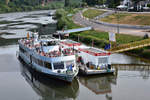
[17,82]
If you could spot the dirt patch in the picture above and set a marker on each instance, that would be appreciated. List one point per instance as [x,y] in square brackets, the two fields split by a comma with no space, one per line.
[126,18]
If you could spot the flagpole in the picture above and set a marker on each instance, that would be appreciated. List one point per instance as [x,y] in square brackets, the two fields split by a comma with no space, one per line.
[78,37]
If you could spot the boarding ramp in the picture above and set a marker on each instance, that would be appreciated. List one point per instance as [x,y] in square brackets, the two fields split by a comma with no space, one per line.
[74,30]
[130,46]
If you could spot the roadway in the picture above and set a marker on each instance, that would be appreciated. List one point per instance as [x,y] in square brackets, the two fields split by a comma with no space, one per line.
[79,19]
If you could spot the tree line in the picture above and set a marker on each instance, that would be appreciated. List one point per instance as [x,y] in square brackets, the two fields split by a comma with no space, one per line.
[110,3]
[27,5]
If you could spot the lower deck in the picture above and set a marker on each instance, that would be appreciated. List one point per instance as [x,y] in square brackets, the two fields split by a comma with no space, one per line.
[83,69]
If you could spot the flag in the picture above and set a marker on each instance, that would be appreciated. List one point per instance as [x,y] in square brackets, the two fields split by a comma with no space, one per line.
[107,46]
[28,35]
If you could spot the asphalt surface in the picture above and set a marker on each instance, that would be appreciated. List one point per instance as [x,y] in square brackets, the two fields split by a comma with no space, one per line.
[79,19]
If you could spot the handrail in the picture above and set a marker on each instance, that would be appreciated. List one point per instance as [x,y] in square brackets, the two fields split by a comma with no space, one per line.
[131,46]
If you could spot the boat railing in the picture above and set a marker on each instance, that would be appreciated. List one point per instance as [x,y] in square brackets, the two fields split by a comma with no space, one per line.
[56,53]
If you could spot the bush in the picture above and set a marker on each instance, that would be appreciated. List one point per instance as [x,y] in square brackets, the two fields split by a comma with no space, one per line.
[146,36]
[148,5]
[88,40]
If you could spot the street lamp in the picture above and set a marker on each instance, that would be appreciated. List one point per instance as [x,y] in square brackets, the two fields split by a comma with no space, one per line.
[117,12]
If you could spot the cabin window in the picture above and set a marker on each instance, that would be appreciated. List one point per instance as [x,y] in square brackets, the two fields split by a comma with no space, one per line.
[40,62]
[36,60]
[33,59]
[102,60]
[47,65]
[58,65]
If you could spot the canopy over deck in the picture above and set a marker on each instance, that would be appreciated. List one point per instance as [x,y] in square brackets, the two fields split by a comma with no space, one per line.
[70,43]
[94,51]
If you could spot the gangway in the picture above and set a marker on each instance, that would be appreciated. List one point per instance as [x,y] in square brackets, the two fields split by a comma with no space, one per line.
[130,46]
[74,30]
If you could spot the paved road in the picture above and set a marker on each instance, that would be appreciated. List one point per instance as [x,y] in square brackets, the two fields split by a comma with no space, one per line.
[100,27]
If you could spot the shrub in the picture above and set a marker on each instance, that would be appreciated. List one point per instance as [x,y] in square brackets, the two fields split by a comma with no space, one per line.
[146,36]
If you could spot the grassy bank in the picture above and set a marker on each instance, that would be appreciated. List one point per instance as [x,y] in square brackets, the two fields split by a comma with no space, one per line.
[128,18]
[91,13]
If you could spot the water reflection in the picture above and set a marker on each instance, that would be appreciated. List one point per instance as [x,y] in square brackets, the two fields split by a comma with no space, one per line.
[100,85]
[142,69]
[50,89]
[121,58]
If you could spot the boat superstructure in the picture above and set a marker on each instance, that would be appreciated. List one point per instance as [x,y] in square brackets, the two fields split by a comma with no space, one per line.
[49,56]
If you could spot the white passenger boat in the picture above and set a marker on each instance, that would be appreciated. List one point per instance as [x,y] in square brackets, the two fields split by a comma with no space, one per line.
[49,56]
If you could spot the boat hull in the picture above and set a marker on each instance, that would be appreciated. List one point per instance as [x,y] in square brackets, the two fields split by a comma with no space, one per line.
[63,77]
[85,71]
[95,72]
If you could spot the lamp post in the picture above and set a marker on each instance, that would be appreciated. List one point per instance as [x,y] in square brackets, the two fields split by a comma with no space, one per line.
[117,12]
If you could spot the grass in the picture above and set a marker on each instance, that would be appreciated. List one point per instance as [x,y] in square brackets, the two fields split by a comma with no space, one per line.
[121,38]
[91,13]
[128,18]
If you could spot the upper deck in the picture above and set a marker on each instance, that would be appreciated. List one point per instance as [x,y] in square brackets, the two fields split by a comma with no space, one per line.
[48,48]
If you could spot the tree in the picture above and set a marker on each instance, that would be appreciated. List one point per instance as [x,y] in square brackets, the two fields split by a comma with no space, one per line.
[113,3]
[136,1]
[136,7]
[67,3]
[7,1]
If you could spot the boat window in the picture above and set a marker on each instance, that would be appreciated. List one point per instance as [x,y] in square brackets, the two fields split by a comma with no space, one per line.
[40,62]
[58,65]
[47,65]
[36,61]
[102,60]
[33,59]
[51,43]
